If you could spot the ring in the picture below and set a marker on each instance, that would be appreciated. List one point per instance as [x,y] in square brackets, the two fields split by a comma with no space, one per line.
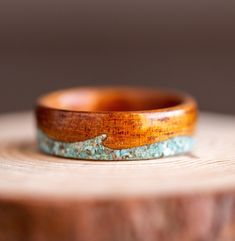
[115,123]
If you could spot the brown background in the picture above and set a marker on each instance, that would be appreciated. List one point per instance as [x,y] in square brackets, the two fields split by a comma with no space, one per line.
[183,44]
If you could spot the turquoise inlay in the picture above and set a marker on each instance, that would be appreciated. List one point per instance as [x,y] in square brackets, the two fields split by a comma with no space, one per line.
[93,149]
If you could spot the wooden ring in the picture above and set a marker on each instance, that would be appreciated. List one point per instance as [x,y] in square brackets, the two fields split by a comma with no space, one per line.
[115,123]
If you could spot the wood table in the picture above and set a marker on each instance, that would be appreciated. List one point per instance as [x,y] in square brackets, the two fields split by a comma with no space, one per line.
[183,198]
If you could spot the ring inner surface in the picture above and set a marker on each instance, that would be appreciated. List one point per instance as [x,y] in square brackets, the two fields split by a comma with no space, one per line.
[108,99]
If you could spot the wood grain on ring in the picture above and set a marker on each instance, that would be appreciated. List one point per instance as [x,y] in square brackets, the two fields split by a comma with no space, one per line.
[129,117]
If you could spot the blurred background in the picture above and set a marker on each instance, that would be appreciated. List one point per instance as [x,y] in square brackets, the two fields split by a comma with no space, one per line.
[183,44]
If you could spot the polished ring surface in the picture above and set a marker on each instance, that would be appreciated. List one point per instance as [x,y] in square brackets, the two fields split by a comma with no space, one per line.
[115,123]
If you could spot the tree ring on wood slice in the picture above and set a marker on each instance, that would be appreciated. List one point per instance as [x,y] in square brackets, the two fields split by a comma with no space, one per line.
[181,198]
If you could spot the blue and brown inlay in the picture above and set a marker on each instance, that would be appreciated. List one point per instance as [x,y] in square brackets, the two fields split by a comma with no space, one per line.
[93,149]
[116,123]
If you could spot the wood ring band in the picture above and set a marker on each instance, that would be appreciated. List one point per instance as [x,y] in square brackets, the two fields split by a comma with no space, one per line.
[115,123]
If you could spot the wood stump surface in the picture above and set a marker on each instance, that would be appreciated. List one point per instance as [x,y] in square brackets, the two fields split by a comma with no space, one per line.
[183,198]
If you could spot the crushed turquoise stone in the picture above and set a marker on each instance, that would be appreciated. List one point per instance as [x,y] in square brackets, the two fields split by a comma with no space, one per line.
[93,149]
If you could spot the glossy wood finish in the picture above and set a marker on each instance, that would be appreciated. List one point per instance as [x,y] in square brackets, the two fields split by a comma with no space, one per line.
[130,117]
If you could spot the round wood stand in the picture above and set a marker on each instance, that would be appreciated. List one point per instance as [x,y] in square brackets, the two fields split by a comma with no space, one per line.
[183,198]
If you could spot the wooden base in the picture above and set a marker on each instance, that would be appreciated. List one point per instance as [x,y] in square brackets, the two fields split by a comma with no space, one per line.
[189,197]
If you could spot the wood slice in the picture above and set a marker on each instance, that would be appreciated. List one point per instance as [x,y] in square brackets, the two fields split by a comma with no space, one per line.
[183,198]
